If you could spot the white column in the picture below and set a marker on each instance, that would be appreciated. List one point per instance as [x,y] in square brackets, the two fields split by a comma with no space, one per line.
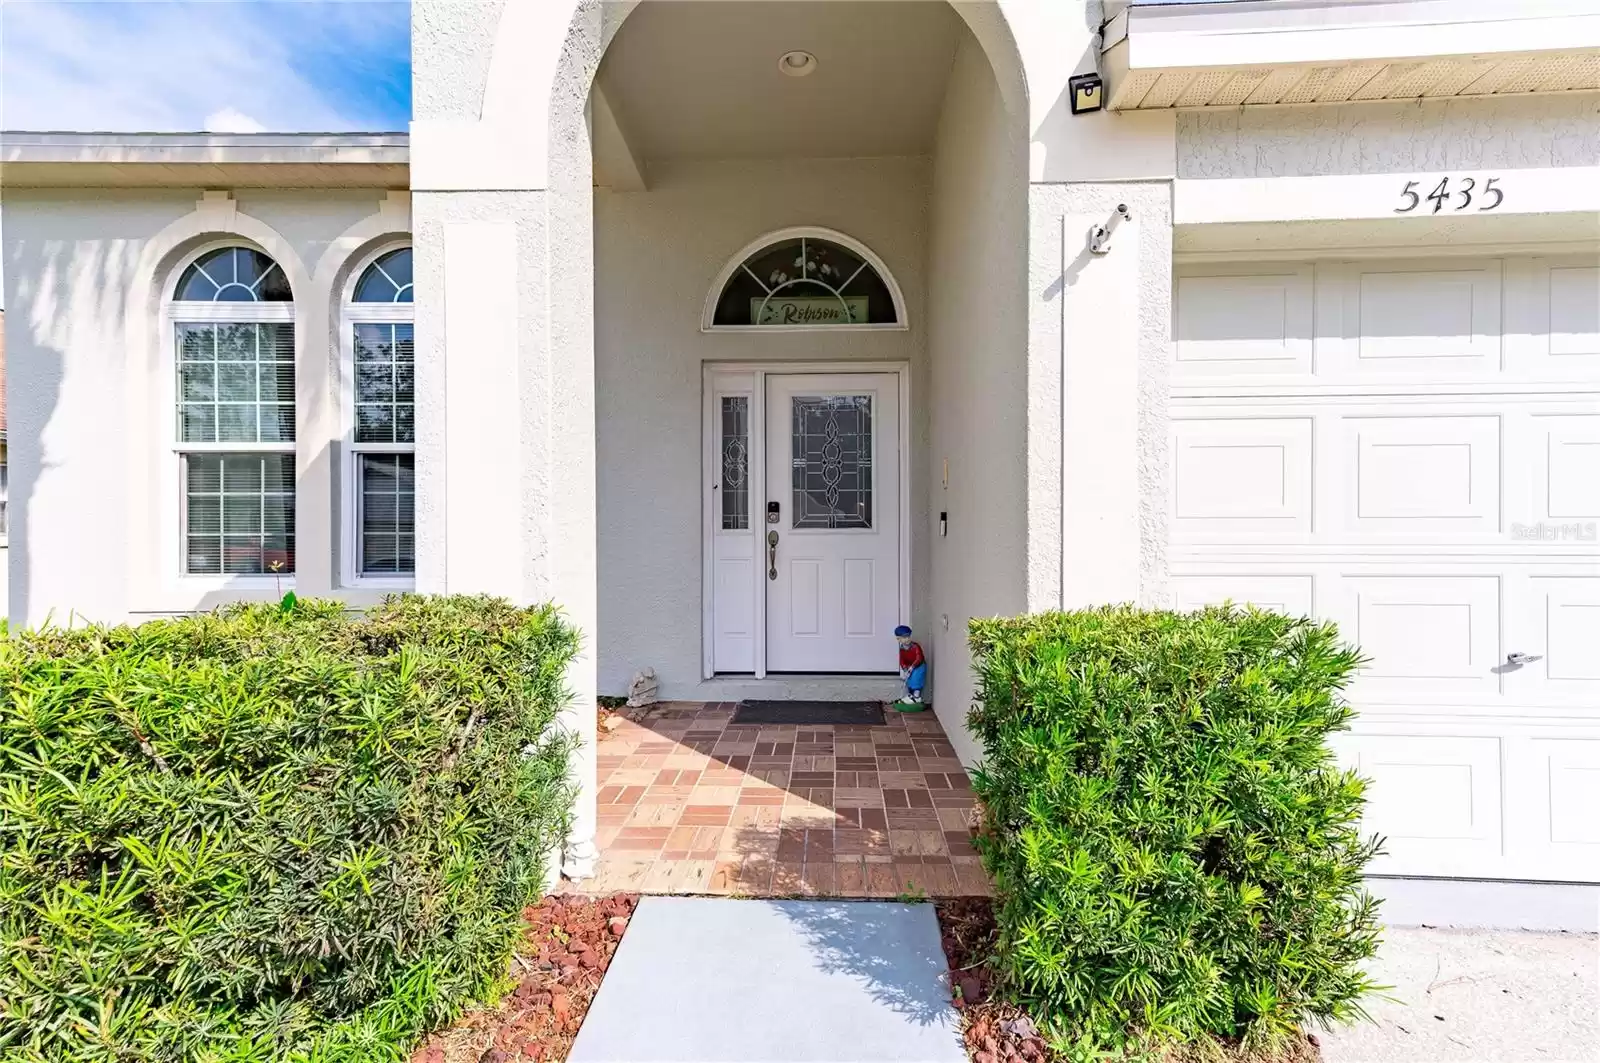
[573,568]
[1100,543]
[501,174]
[482,454]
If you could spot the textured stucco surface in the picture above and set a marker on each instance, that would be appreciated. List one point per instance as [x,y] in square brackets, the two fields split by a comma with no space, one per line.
[1049,205]
[452,43]
[977,342]
[657,253]
[524,470]
[1474,996]
[1388,137]
[83,540]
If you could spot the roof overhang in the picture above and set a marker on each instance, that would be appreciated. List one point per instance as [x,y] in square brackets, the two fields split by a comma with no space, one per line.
[1243,52]
[209,160]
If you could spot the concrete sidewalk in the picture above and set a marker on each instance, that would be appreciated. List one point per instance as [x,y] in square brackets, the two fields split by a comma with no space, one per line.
[1479,996]
[716,980]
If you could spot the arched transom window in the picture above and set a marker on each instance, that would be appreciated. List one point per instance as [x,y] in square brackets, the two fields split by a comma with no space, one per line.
[232,316]
[806,279]
[233,275]
[387,280]
[381,434]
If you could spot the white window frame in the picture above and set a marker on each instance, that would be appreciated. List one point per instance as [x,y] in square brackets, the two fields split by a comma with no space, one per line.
[351,314]
[174,312]
[708,313]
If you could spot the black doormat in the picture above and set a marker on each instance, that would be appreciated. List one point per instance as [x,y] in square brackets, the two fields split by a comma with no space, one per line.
[848,713]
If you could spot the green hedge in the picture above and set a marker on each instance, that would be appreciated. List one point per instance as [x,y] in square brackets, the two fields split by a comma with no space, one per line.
[272,832]
[1176,856]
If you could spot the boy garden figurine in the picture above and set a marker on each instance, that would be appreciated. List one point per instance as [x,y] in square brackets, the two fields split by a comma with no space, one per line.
[913,671]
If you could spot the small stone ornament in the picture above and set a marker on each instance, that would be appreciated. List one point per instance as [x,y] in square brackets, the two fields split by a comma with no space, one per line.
[913,671]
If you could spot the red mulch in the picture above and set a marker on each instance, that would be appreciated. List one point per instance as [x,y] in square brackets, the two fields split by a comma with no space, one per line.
[566,948]
[995,1032]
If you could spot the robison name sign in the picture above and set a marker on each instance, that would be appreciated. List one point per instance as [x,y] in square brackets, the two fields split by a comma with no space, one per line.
[809,310]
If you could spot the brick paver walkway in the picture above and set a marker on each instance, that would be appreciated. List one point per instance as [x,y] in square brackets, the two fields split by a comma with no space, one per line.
[690,804]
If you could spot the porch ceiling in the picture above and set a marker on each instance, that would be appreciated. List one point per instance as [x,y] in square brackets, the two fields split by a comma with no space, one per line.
[700,79]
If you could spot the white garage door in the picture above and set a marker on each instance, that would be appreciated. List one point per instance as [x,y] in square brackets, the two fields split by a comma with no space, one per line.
[1412,449]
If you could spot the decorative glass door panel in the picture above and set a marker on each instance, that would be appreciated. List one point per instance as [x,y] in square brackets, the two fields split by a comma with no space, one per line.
[831,540]
[831,461]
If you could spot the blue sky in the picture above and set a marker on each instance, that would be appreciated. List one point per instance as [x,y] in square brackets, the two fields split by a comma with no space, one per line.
[188,65]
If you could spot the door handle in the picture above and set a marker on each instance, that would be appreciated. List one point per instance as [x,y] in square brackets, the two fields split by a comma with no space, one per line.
[1517,660]
[772,555]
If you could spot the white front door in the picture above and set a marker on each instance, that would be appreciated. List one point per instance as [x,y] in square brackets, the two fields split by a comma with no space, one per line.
[829,535]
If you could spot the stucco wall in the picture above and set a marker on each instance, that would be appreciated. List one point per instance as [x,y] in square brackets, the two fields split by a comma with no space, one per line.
[1387,137]
[977,355]
[656,254]
[82,537]
[1070,318]
[452,42]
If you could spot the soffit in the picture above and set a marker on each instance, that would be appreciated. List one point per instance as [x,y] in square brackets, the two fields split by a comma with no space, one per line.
[161,160]
[1336,51]
[699,79]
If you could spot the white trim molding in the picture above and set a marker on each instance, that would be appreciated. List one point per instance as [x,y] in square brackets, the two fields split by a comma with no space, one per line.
[156,579]
[802,232]
[1371,197]
[351,314]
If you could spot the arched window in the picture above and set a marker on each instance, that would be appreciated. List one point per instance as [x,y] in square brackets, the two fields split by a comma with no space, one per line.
[380,435]
[387,280]
[232,319]
[804,279]
[234,275]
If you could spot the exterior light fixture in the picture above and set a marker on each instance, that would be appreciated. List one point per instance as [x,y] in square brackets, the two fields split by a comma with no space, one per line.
[797,64]
[1087,93]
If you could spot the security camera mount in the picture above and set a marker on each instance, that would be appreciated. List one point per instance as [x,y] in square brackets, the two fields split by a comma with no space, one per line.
[1100,235]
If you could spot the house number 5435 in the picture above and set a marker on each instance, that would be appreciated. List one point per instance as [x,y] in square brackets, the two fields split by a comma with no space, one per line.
[1487,197]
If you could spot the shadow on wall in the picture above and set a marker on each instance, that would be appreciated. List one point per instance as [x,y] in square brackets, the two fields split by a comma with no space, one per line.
[1052,130]
[34,371]
[70,376]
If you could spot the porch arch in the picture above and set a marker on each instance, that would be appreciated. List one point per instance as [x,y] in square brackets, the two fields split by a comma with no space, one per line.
[534,104]
[528,63]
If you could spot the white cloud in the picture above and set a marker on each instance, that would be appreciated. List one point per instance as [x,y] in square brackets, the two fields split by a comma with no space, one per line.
[229,120]
[154,65]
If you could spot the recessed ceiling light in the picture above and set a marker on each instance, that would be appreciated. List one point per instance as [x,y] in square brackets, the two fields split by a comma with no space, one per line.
[797,64]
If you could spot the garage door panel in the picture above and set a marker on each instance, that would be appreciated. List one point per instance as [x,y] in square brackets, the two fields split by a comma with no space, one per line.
[1241,478]
[1422,476]
[1229,323]
[1567,467]
[1284,594]
[1428,637]
[1435,799]
[1553,813]
[1574,311]
[1558,622]
[1417,318]
[1553,317]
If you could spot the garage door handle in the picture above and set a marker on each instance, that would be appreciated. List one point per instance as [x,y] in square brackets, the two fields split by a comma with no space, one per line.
[1517,660]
